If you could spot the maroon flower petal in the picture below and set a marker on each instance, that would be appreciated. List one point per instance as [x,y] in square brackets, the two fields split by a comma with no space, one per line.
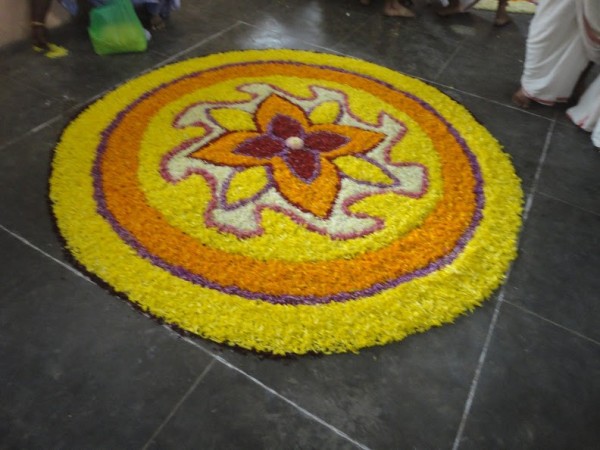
[304,163]
[284,127]
[260,147]
[324,141]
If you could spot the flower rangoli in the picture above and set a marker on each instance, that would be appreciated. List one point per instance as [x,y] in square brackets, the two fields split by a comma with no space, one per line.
[287,201]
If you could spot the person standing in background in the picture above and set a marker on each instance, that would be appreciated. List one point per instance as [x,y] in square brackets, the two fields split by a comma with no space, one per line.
[563,41]
[39,32]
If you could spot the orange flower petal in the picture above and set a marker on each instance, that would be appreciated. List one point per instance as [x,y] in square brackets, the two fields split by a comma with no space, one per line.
[316,197]
[359,140]
[274,105]
[221,150]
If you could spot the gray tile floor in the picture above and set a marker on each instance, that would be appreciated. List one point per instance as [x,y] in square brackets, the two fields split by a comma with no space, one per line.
[81,369]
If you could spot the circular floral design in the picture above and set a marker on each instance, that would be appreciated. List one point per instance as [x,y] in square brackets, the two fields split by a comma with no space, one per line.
[287,201]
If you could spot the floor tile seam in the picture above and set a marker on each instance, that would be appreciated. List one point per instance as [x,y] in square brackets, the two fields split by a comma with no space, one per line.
[181,401]
[552,322]
[448,61]
[46,254]
[194,46]
[33,130]
[81,104]
[215,357]
[489,100]
[280,396]
[479,369]
[299,408]
[565,202]
[538,172]
[484,351]
[221,360]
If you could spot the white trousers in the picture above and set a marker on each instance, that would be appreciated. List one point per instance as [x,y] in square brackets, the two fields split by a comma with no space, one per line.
[564,36]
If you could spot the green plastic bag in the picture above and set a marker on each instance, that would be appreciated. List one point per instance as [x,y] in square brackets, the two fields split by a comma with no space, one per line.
[115,28]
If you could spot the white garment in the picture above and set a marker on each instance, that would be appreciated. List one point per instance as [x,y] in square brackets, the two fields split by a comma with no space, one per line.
[586,114]
[564,36]
[556,54]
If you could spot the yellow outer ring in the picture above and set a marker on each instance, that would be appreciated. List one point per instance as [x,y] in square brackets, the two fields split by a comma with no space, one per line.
[335,327]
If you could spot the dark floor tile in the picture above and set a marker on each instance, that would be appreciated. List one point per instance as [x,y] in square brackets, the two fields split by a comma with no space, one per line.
[246,37]
[571,169]
[24,108]
[24,204]
[556,272]
[383,396]
[229,411]
[522,135]
[508,41]
[389,43]
[79,76]
[539,389]
[318,23]
[81,369]
[191,25]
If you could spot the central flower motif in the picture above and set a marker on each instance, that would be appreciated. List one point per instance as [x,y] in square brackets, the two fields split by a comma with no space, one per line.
[298,152]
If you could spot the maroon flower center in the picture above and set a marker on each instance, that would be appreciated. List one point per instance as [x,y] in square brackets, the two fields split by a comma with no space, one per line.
[301,150]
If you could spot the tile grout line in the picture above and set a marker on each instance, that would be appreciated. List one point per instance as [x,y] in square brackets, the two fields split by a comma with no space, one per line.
[33,130]
[193,47]
[179,403]
[47,255]
[447,63]
[81,104]
[538,171]
[580,208]
[277,394]
[215,357]
[478,370]
[494,321]
[495,102]
[556,324]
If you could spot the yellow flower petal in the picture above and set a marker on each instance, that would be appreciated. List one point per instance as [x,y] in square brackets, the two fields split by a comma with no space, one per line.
[233,119]
[362,170]
[247,183]
[326,112]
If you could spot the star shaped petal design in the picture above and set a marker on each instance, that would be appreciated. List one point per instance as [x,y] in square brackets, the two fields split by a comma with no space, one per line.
[298,152]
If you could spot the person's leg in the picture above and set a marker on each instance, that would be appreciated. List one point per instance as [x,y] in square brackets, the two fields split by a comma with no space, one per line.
[394,8]
[586,113]
[520,99]
[555,55]
[39,9]
[502,18]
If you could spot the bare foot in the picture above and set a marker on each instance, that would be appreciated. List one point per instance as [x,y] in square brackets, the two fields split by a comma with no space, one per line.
[502,18]
[520,99]
[393,8]
[502,21]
